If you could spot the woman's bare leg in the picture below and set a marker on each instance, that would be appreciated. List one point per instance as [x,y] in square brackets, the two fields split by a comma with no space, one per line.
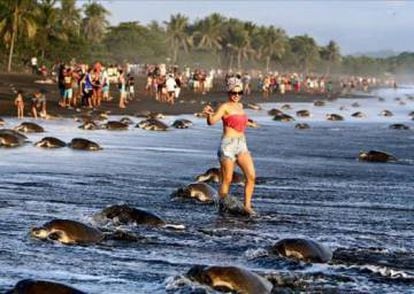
[227,168]
[246,164]
[122,100]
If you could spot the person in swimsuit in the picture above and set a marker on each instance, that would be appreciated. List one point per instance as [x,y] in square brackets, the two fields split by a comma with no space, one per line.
[233,147]
[19,102]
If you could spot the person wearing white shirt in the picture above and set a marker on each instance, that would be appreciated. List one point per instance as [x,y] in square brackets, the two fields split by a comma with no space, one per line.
[171,86]
[33,63]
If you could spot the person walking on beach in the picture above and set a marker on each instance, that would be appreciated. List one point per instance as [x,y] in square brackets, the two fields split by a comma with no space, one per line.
[130,87]
[178,83]
[68,91]
[246,79]
[105,85]
[61,84]
[170,84]
[233,147]
[33,63]
[19,102]
[87,89]
[122,89]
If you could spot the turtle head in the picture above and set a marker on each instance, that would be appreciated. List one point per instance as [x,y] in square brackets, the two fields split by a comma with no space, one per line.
[203,177]
[40,143]
[362,155]
[198,273]
[211,174]
[181,192]
[39,233]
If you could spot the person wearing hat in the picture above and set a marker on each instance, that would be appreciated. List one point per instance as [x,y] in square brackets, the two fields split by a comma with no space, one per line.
[233,148]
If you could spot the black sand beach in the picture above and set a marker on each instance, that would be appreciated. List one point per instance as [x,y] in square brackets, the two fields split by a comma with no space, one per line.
[188,103]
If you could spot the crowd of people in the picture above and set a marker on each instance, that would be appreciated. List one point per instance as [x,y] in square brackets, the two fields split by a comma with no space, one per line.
[80,85]
[83,85]
[352,83]
[89,86]
[165,83]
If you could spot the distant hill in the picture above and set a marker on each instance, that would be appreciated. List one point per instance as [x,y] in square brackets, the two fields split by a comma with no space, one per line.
[377,54]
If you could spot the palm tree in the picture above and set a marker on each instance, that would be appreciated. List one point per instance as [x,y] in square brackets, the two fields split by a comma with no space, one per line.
[70,17]
[177,34]
[17,18]
[49,26]
[273,44]
[208,33]
[95,22]
[155,27]
[239,36]
[306,51]
[250,49]
[331,53]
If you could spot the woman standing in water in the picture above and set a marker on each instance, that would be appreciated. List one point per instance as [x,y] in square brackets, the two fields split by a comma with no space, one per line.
[233,147]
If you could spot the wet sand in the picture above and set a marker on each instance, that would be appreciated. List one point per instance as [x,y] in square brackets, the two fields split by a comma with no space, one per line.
[188,103]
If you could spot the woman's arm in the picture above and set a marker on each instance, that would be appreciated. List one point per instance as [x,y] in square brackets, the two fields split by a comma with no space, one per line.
[252,124]
[214,116]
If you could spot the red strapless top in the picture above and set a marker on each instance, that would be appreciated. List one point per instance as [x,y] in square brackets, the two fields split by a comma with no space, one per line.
[236,121]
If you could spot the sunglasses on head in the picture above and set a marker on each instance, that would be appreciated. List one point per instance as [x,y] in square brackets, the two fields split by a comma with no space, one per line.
[236,93]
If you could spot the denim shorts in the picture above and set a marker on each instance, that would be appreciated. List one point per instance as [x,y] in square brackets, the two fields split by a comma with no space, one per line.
[68,93]
[230,147]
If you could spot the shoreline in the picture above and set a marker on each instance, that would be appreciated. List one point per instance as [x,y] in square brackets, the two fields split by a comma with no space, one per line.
[188,103]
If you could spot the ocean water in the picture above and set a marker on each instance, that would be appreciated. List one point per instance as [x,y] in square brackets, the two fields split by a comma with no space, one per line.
[312,187]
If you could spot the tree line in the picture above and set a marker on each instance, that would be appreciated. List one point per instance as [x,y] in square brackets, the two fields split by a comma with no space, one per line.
[56,30]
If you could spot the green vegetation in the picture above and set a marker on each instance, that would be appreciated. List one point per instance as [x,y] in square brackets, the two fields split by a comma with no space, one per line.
[58,30]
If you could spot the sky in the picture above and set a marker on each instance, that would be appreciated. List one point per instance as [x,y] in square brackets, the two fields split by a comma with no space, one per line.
[357,26]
